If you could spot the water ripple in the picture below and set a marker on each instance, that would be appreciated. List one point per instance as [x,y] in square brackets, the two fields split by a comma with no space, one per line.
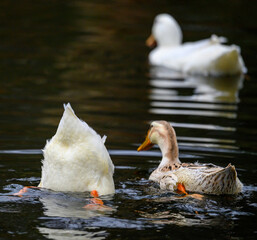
[165,111]
[203,126]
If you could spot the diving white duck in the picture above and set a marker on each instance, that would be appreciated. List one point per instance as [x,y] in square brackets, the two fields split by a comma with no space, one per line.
[205,57]
[195,177]
[76,159]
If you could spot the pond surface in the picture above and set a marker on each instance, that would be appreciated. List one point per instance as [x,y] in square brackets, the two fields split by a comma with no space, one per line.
[92,54]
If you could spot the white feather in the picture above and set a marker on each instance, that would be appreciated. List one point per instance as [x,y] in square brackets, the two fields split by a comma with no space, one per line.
[76,159]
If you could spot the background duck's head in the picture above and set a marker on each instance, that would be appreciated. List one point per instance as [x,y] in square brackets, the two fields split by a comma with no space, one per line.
[166,31]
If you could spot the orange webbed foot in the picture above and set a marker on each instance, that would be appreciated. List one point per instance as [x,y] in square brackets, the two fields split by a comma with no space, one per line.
[196,196]
[182,190]
[24,190]
[96,203]
[95,199]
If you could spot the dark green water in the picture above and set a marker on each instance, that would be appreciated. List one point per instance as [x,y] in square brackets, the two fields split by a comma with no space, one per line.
[92,54]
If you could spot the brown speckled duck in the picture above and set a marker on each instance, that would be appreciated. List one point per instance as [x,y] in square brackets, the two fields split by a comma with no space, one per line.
[195,177]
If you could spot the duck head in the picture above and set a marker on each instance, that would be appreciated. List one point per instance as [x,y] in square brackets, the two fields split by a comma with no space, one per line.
[165,31]
[162,134]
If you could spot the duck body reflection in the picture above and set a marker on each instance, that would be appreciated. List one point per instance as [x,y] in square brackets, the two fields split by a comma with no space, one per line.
[205,88]
[66,209]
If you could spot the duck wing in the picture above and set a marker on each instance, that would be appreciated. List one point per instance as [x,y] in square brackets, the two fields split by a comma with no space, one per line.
[209,178]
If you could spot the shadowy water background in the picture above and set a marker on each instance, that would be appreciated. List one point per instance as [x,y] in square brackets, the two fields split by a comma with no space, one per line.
[92,54]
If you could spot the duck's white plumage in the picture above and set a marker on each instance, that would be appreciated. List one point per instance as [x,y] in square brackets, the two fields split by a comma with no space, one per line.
[76,159]
[204,57]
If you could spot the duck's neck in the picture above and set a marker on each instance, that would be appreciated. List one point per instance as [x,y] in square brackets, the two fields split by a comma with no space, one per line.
[168,43]
[169,149]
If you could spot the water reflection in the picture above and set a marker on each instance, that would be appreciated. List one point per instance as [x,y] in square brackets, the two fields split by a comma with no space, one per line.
[68,210]
[173,94]
[189,219]
[69,206]
[211,211]
[67,234]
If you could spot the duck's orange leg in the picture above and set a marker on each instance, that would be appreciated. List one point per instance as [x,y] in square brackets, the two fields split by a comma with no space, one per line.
[96,203]
[182,190]
[24,190]
[95,199]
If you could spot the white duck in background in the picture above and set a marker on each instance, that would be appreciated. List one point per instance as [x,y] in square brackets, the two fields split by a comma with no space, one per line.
[76,159]
[205,57]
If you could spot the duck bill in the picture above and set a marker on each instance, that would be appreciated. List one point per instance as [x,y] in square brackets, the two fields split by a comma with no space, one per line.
[146,145]
[151,42]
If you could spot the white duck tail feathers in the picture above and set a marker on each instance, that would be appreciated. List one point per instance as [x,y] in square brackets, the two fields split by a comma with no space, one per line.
[104,138]
[218,39]
[229,62]
[76,159]
[71,128]
[222,60]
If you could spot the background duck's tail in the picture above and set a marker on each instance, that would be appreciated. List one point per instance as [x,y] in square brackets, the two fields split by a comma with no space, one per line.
[231,62]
